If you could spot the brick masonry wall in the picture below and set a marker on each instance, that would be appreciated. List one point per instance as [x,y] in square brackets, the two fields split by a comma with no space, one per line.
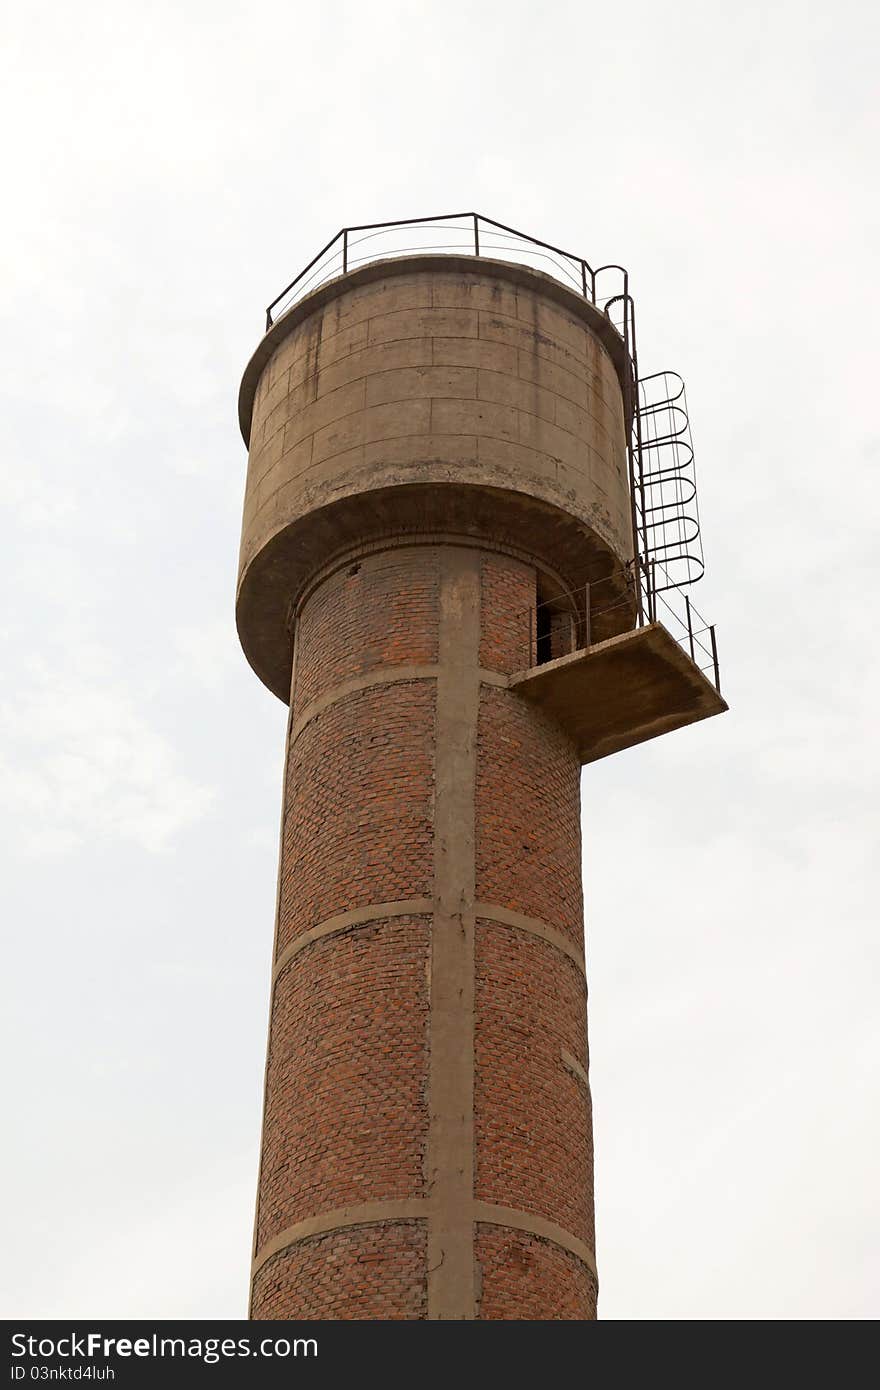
[358,806]
[507,597]
[533,1132]
[368,1272]
[379,611]
[527,814]
[527,1279]
[347,1118]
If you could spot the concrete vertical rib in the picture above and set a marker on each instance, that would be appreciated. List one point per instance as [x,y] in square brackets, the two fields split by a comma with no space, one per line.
[451,1281]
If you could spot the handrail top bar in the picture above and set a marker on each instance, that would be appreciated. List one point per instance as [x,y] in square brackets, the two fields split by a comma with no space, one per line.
[408,222]
[548,246]
[478,217]
[305,270]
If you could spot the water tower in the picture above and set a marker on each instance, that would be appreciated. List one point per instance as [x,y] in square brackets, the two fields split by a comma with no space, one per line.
[469,527]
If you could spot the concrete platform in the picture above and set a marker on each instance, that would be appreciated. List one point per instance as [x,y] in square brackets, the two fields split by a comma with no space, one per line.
[621,692]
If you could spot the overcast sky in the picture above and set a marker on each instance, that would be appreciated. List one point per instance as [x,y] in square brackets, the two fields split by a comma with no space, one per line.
[168,168]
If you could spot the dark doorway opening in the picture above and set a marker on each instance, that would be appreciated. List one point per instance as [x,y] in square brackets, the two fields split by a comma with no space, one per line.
[543,634]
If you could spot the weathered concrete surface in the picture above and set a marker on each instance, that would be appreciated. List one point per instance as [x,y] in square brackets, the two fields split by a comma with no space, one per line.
[429,394]
[621,692]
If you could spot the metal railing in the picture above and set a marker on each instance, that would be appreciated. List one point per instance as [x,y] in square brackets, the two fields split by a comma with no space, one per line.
[578,618]
[469,234]
[672,607]
[663,497]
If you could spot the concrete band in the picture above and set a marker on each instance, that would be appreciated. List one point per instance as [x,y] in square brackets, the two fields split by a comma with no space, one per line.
[552,935]
[357,917]
[382,675]
[451,1275]
[573,1065]
[491,1215]
[417,1209]
[420,907]
[364,1214]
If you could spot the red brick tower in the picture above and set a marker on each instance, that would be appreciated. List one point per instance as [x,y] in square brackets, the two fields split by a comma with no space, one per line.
[436,573]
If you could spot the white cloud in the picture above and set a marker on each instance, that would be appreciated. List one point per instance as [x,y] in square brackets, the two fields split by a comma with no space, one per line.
[83,766]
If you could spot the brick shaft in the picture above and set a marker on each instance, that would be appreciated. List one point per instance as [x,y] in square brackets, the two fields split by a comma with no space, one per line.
[427,1144]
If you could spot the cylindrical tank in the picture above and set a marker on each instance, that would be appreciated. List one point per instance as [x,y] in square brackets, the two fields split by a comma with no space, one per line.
[431,393]
[434,443]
